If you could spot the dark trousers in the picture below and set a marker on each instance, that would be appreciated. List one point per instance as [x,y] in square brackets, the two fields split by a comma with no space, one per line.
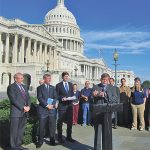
[17,127]
[123,117]
[51,120]
[65,115]
[115,118]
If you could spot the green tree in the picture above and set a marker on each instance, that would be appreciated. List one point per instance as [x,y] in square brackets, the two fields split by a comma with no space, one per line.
[146,84]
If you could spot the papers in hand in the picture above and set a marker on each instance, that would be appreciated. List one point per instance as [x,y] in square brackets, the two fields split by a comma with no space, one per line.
[50,101]
[70,98]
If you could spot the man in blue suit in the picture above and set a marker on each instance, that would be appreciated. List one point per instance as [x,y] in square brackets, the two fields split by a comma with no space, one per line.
[47,98]
[64,90]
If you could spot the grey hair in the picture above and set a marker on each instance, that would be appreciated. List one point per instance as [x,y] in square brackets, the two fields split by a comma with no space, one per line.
[46,75]
[18,74]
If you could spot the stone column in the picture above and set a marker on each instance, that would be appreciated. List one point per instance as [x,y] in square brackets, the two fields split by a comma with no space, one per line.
[84,71]
[28,52]
[1,47]
[90,73]
[97,74]
[59,57]
[66,44]
[22,49]
[74,46]
[40,53]
[87,74]
[51,57]
[34,52]
[77,46]
[15,49]
[62,42]
[55,59]
[45,53]
[7,49]
[69,45]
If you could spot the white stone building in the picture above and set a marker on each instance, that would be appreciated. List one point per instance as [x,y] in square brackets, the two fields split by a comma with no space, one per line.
[55,46]
[128,75]
[27,48]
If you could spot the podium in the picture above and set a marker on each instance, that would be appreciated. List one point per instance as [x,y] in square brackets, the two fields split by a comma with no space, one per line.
[104,135]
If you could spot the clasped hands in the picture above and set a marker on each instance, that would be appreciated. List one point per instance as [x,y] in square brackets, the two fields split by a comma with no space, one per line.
[26,109]
[97,93]
[84,97]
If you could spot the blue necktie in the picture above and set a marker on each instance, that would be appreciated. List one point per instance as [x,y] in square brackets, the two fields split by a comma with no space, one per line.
[66,87]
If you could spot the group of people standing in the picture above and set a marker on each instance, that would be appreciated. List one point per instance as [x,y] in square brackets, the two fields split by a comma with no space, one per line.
[61,104]
[134,100]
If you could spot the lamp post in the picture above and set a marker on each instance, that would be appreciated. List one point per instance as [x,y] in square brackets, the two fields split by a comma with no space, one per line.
[115,55]
[47,65]
[75,69]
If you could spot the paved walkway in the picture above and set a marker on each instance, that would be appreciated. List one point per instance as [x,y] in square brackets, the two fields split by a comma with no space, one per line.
[123,139]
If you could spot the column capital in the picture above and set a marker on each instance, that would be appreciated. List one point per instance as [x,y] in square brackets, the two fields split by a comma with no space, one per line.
[7,34]
[34,40]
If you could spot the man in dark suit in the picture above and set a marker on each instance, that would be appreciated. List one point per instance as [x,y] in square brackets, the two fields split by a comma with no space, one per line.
[114,115]
[20,106]
[65,109]
[102,93]
[47,98]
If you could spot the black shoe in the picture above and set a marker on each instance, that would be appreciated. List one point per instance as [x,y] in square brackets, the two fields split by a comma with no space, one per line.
[70,140]
[52,142]
[39,144]
[61,140]
[115,127]
[22,148]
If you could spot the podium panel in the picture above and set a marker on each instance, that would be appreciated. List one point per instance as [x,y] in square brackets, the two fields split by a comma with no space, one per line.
[104,130]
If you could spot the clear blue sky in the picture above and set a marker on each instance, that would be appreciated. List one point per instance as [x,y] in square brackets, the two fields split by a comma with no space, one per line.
[105,24]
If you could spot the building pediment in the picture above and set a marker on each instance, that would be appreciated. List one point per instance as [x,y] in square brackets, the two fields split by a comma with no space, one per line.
[40,29]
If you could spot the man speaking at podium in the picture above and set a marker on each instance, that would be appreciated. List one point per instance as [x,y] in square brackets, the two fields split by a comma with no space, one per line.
[102,93]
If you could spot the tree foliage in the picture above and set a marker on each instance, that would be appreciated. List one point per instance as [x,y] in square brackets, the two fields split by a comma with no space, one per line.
[146,84]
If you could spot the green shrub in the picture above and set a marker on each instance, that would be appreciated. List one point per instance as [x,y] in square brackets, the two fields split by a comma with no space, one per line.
[30,131]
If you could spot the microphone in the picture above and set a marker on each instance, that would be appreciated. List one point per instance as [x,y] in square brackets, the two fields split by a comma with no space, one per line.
[105,92]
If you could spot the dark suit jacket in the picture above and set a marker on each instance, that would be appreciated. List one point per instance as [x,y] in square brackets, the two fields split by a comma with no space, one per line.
[17,101]
[111,94]
[61,92]
[43,95]
[118,93]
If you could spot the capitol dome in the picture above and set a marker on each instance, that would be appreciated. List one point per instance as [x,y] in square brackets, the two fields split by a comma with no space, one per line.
[60,13]
[61,23]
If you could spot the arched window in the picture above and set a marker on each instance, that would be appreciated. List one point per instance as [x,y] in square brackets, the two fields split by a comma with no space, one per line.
[2,78]
[53,29]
